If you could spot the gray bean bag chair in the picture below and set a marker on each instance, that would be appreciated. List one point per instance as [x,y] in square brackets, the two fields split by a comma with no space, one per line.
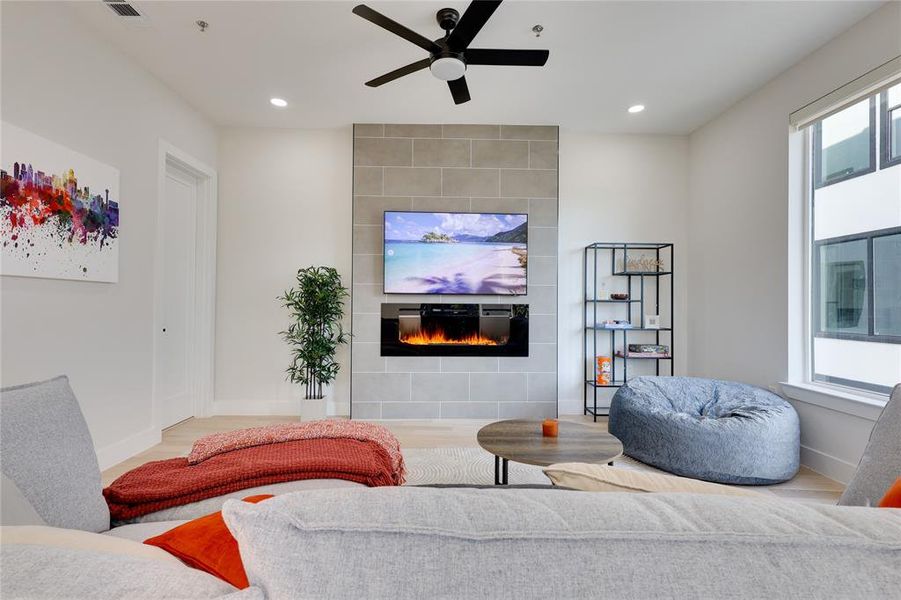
[707,429]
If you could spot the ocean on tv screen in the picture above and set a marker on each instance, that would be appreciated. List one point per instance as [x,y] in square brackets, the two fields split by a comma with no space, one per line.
[456,253]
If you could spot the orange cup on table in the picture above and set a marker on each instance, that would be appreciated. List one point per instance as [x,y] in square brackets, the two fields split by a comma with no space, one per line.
[549,428]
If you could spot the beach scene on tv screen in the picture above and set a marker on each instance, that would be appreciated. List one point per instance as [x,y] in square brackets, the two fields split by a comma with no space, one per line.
[455,253]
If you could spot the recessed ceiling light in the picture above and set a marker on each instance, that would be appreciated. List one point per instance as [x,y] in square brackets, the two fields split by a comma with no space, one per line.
[283,103]
[636,109]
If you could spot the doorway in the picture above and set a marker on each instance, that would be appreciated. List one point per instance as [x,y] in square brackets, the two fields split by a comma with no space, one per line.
[184,289]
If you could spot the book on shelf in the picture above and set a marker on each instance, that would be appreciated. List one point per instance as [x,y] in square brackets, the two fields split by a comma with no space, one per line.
[652,348]
[620,354]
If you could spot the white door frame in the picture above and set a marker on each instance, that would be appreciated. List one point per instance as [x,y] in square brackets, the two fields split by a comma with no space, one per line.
[202,315]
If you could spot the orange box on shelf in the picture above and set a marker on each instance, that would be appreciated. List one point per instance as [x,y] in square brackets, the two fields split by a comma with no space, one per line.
[604,371]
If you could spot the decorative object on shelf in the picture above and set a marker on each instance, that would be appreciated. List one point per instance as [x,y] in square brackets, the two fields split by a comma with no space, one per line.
[652,348]
[59,211]
[643,275]
[315,332]
[642,264]
[549,428]
[604,370]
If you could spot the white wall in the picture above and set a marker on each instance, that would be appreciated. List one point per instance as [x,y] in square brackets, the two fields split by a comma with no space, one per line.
[741,223]
[284,203]
[61,82]
[616,188]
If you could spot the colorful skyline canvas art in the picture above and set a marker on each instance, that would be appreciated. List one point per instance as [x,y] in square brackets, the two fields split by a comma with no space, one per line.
[455,253]
[59,211]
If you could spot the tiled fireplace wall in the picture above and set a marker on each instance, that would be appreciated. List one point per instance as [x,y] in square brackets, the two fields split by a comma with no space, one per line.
[454,168]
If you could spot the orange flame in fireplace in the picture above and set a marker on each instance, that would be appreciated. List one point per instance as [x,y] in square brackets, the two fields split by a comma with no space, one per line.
[427,338]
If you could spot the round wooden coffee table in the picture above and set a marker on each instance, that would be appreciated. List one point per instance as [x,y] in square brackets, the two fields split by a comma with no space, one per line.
[520,440]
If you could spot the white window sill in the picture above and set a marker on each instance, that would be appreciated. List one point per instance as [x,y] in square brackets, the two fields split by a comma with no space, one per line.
[859,404]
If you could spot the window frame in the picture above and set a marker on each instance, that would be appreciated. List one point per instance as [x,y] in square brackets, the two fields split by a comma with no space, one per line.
[816,329]
[885,154]
[817,151]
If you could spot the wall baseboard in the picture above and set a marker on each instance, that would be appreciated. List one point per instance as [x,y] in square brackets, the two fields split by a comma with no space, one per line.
[250,408]
[828,465]
[113,454]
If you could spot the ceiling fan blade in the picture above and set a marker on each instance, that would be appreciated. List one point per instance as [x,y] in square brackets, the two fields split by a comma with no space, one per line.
[459,90]
[398,73]
[396,28]
[522,58]
[472,21]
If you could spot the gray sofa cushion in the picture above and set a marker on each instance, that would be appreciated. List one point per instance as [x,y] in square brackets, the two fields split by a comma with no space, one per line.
[880,464]
[46,449]
[33,571]
[412,542]
[15,509]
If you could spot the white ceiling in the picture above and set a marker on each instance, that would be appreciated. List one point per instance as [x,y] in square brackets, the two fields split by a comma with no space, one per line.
[687,61]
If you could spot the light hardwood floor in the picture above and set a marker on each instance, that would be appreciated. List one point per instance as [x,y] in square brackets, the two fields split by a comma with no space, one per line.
[807,485]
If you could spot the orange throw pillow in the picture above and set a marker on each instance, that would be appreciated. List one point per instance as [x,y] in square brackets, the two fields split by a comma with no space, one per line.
[208,545]
[892,498]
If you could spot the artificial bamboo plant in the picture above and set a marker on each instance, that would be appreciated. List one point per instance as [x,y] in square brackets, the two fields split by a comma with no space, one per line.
[317,307]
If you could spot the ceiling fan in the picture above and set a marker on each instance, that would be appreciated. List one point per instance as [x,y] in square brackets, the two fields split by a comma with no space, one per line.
[449,56]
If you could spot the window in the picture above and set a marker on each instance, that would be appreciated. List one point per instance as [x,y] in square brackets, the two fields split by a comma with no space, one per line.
[844,144]
[891,126]
[855,247]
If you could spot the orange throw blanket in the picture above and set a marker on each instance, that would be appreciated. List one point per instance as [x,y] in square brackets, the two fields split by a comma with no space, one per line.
[166,483]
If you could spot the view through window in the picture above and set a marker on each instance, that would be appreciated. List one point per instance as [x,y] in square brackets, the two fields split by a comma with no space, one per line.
[855,292]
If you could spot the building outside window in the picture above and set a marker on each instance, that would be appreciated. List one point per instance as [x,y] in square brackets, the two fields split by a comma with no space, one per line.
[855,284]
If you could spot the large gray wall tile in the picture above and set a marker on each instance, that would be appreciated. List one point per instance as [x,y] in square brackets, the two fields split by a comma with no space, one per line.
[542,328]
[542,241]
[529,132]
[542,269]
[441,204]
[527,410]
[543,155]
[542,358]
[381,387]
[412,364]
[368,268]
[368,239]
[476,132]
[527,183]
[411,410]
[412,130]
[370,210]
[470,182]
[469,410]
[366,410]
[497,387]
[409,181]
[367,298]
[468,364]
[542,299]
[500,154]
[383,152]
[368,181]
[369,130]
[542,387]
[441,153]
[500,205]
[543,212]
[366,357]
[367,328]
[440,387]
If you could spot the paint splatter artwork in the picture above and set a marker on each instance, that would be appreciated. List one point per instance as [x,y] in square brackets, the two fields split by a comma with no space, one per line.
[59,211]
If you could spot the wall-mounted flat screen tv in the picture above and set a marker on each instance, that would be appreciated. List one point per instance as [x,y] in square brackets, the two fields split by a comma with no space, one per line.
[456,253]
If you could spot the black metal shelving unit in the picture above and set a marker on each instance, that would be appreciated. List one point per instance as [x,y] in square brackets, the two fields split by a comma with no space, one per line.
[591,263]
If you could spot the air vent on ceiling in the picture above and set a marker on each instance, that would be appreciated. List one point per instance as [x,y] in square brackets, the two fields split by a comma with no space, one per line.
[123,9]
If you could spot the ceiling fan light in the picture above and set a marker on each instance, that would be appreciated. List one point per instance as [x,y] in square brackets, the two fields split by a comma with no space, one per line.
[448,68]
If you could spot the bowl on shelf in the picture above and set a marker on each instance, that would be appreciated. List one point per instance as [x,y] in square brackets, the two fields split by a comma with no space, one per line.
[619,296]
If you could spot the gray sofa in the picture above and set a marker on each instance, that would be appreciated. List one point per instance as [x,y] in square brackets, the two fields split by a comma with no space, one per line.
[419,542]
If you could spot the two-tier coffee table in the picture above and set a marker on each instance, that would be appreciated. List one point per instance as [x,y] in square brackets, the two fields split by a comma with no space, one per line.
[521,441]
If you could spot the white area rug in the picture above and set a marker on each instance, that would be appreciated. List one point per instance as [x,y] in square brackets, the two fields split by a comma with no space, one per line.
[475,466]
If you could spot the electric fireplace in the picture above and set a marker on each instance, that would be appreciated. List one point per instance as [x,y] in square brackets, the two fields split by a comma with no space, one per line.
[455,330]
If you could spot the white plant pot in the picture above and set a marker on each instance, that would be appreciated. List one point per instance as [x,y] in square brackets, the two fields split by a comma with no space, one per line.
[312,409]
